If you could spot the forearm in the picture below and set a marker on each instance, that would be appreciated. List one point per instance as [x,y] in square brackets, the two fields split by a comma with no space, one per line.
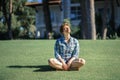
[61,60]
[70,61]
[64,65]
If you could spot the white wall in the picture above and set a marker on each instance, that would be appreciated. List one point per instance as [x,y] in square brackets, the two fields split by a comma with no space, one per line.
[56,22]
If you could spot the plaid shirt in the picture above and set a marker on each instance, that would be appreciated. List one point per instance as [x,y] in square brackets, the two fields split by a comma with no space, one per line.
[66,50]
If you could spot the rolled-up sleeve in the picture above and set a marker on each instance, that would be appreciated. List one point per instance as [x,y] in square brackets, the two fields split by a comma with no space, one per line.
[76,49]
[56,50]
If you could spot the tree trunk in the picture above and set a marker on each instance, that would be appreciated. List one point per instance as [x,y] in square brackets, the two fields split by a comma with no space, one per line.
[9,20]
[112,20]
[0,5]
[84,19]
[118,3]
[7,17]
[91,20]
[88,19]
[104,29]
[47,18]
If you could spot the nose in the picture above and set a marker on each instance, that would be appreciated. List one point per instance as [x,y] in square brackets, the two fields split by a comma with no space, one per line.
[65,29]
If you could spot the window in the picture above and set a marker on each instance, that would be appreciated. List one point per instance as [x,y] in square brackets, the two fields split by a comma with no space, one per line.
[75,10]
[52,16]
[75,13]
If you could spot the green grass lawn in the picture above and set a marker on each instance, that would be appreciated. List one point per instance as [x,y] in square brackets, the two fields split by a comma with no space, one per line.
[27,60]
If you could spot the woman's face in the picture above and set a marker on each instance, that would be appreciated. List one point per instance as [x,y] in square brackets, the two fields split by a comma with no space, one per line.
[66,29]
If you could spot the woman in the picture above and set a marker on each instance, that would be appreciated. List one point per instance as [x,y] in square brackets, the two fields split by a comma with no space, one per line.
[66,51]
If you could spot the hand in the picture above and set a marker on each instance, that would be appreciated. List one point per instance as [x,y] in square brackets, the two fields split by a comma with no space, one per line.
[68,65]
[65,67]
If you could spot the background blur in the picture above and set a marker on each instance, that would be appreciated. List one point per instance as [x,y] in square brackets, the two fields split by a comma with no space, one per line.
[41,19]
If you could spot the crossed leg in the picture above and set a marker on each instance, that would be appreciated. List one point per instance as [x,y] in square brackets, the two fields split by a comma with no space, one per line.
[54,63]
[75,65]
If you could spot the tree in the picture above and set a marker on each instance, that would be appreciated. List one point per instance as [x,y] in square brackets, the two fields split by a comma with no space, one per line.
[88,19]
[104,28]
[15,17]
[9,21]
[47,18]
[118,3]
[0,5]
[84,19]
[7,14]
[112,20]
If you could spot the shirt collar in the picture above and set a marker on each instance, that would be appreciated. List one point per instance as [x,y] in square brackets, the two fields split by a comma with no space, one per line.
[63,39]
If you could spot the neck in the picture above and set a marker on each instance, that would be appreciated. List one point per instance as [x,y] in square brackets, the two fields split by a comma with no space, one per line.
[67,37]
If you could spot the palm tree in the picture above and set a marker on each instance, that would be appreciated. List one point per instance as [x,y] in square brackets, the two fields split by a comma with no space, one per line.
[84,19]
[7,15]
[9,21]
[88,19]
[104,28]
[0,5]
[47,18]
[112,20]
[118,3]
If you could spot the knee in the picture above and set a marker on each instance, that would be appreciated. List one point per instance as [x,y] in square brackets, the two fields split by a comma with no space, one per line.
[82,61]
[50,60]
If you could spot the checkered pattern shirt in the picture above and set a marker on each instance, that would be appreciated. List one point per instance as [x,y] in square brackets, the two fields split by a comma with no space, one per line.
[66,50]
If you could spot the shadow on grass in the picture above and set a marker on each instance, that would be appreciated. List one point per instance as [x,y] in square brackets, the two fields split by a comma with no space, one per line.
[40,68]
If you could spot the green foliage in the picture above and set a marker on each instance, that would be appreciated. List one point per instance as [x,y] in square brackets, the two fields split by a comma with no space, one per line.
[67,21]
[26,18]
[22,16]
[75,32]
[3,28]
[32,30]
[111,34]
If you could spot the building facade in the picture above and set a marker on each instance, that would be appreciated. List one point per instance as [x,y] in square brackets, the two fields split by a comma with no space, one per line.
[68,9]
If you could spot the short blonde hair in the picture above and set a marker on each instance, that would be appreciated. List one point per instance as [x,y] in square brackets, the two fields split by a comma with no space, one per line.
[61,27]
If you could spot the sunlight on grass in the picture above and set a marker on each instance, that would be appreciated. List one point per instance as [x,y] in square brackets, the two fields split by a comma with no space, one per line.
[27,60]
